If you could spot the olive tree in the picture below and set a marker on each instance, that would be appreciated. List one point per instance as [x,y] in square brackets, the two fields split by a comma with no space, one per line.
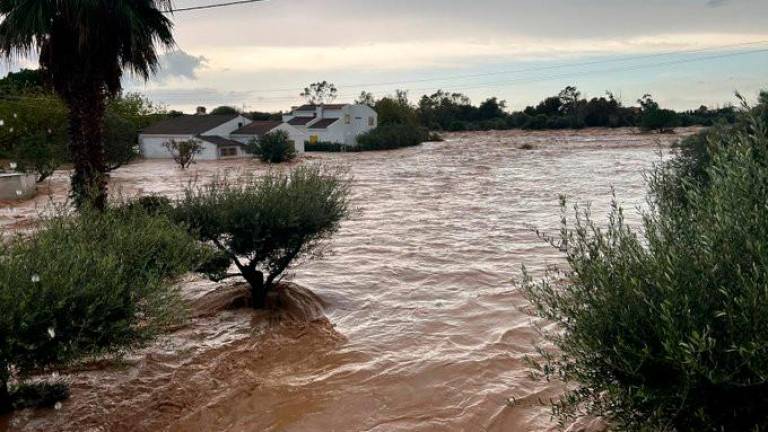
[264,225]
[184,151]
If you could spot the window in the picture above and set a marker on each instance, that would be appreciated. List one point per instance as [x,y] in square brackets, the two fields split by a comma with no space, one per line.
[371,121]
[347,119]
[228,151]
[313,139]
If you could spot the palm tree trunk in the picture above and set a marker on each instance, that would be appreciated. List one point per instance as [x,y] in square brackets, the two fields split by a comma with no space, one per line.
[86,142]
[5,396]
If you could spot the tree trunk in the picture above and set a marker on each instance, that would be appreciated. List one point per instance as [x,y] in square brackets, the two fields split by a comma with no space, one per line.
[5,397]
[258,291]
[86,144]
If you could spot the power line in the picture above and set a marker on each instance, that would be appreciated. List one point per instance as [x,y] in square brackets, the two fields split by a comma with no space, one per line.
[212,6]
[519,81]
[537,69]
[512,82]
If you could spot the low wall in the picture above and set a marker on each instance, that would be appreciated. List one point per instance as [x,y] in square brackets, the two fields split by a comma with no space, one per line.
[15,186]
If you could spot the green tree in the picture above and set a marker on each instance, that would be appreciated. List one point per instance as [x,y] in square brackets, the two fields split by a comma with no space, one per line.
[320,93]
[265,225]
[23,80]
[224,109]
[655,118]
[491,108]
[366,98]
[84,46]
[184,151]
[273,147]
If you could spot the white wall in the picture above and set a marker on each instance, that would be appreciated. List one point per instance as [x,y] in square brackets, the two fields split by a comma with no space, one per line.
[343,133]
[152,147]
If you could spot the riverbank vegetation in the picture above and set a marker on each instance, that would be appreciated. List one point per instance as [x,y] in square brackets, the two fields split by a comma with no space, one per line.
[664,328]
[83,285]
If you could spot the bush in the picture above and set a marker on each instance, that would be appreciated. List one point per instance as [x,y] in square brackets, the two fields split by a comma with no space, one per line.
[274,147]
[87,284]
[392,136]
[265,225]
[667,329]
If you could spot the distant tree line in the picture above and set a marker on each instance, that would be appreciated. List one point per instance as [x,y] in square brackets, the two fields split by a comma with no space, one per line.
[566,110]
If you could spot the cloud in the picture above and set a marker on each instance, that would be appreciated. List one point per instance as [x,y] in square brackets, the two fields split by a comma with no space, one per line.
[450,53]
[190,97]
[180,64]
[716,3]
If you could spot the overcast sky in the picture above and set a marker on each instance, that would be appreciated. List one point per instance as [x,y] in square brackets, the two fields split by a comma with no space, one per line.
[261,55]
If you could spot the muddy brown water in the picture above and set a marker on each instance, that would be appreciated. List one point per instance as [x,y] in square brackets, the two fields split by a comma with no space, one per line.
[412,323]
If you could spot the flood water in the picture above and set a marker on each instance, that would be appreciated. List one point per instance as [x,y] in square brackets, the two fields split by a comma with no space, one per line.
[420,327]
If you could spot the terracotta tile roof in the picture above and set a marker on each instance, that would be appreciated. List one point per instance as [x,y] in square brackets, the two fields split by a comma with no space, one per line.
[311,107]
[219,141]
[257,128]
[188,124]
[300,121]
[324,123]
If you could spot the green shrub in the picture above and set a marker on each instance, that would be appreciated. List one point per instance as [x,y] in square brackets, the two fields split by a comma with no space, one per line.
[87,284]
[274,147]
[266,224]
[666,329]
[392,136]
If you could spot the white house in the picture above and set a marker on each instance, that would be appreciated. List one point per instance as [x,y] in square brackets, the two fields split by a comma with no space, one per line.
[212,131]
[337,123]
[225,135]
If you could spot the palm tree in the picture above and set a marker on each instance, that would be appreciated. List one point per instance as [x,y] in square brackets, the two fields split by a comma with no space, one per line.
[84,47]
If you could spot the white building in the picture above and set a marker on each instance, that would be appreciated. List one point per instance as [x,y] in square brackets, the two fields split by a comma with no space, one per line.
[212,131]
[225,135]
[336,123]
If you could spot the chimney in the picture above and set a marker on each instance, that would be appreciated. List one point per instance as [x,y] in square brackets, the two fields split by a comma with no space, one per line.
[200,110]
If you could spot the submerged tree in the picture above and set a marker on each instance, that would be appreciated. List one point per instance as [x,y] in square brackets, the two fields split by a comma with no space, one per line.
[84,47]
[183,152]
[265,224]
